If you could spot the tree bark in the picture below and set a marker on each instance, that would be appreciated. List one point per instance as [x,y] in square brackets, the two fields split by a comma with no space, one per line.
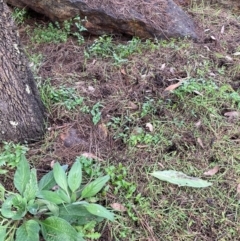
[21,110]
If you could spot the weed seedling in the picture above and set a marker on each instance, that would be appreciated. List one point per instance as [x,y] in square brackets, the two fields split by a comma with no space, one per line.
[11,155]
[96,113]
[19,15]
[63,96]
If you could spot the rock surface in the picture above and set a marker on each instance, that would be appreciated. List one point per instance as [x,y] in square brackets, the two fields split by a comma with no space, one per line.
[143,18]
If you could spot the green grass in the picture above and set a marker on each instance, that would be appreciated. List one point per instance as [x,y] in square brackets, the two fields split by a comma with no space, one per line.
[58,33]
[105,47]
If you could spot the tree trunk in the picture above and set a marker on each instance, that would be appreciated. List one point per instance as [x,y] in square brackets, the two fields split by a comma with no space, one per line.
[21,110]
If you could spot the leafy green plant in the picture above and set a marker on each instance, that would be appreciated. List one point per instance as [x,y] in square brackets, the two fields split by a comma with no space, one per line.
[91,168]
[105,47]
[52,33]
[56,206]
[56,33]
[208,93]
[147,107]
[35,61]
[11,155]
[19,15]
[78,23]
[118,175]
[117,178]
[96,113]
[62,95]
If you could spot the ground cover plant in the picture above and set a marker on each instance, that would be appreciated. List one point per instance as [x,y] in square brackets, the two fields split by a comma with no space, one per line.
[56,205]
[131,108]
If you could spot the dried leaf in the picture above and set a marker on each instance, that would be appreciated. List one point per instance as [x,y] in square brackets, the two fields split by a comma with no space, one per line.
[142,146]
[161,165]
[94,62]
[173,86]
[172,70]
[197,92]
[118,207]
[212,74]
[103,131]
[91,156]
[150,127]
[163,66]
[132,105]
[91,88]
[199,141]
[123,72]
[232,114]
[228,58]
[52,163]
[212,171]
[208,49]
[63,136]
[198,124]
[236,54]
[222,29]
[238,188]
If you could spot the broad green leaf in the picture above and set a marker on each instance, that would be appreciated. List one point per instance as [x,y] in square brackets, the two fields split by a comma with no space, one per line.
[44,205]
[100,211]
[53,208]
[50,196]
[63,196]
[60,177]
[57,229]
[75,176]
[47,181]
[31,189]
[3,233]
[28,231]
[77,214]
[73,209]
[180,179]
[14,207]
[32,207]
[22,175]
[73,197]
[94,187]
